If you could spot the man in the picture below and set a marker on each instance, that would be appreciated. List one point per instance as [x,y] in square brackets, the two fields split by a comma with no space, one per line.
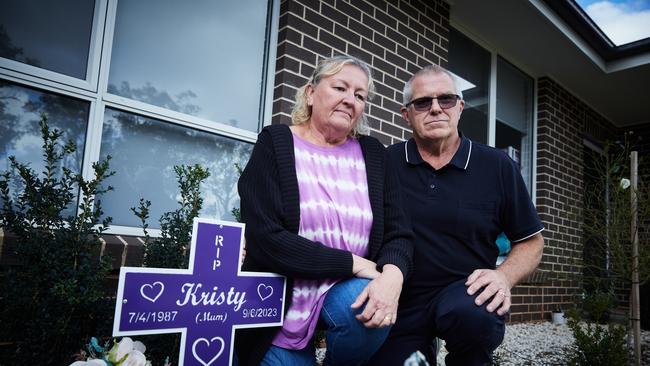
[460,196]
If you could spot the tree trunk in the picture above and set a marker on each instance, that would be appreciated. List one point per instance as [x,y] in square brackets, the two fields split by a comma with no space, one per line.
[636,316]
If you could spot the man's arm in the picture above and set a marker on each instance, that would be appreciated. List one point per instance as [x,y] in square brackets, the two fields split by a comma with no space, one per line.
[522,261]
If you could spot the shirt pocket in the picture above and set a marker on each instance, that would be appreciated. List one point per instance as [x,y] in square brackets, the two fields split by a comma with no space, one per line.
[476,221]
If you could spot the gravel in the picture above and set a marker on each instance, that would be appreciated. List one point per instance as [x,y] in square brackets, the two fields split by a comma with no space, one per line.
[534,344]
[542,343]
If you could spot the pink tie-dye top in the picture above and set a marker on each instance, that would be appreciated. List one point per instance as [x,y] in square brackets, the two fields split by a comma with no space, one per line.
[334,210]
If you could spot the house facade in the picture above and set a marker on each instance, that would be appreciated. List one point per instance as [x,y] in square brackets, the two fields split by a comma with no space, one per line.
[153,85]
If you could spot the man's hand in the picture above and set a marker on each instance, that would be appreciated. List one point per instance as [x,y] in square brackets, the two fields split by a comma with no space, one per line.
[522,260]
[493,283]
[381,297]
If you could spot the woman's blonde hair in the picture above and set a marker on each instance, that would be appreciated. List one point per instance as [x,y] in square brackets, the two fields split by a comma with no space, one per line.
[301,111]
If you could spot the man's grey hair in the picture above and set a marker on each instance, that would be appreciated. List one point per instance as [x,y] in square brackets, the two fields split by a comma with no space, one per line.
[433,69]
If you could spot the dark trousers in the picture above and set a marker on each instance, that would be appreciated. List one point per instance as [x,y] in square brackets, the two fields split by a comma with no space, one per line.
[471,332]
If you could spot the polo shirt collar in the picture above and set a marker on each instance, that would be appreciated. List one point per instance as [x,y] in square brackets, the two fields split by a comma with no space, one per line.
[460,159]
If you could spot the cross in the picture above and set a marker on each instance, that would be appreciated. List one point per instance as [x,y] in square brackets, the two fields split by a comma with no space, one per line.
[206,302]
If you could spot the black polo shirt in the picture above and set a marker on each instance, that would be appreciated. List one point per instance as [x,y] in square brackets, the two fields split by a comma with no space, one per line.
[458,211]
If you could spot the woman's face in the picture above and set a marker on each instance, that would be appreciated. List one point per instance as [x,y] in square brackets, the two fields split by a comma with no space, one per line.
[338,101]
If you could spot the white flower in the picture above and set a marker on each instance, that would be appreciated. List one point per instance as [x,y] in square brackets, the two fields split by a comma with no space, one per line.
[134,358]
[139,346]
[625,183]
[120,350]
[94,362]
[123,353]
[416,358]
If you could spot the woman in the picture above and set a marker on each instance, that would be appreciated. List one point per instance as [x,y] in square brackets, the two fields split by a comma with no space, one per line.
[321,208]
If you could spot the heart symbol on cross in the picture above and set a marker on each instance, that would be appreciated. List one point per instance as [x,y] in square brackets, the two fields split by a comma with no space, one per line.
[264,291]
[205,340]
[152,294]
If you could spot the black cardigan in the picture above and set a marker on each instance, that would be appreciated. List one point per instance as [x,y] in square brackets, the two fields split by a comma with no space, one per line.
[270,207]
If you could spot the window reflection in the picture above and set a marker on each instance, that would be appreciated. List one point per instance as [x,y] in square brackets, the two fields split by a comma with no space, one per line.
[20,134]
[196,59]
[54,35]
[144,152]
[472,63]
[515,116]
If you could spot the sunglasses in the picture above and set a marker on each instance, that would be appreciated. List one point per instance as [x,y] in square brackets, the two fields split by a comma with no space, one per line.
[445,101]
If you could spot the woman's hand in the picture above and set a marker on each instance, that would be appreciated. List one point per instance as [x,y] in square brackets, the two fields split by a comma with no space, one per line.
[243,254]
[381,297]
[364,268]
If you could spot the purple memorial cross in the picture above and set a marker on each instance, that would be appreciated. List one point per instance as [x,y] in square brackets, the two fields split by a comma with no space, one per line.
[205,302]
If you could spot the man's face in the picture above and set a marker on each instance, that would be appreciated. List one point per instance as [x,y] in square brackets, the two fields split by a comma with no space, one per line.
[436,123]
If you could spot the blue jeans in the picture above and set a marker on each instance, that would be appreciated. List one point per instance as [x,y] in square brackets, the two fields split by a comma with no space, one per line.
[348,341]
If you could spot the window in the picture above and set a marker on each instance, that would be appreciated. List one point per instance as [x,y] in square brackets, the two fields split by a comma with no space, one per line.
[54,35]
[153,84]
[472,63]
[144,152]
[195,59]
[514,116]
[499,101]
[20,134]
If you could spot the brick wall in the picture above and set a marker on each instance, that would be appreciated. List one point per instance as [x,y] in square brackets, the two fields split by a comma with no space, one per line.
[123,250]
[395,37]
[563,122]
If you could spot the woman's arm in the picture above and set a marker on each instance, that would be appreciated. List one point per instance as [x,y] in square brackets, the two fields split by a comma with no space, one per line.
[397,248]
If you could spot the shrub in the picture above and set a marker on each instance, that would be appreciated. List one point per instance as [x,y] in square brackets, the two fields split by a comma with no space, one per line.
[597,304]
[170,249]
[236,212]
[54,297]
[596,344]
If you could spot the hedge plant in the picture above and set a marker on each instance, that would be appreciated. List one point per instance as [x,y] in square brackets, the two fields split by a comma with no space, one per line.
[54,298]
